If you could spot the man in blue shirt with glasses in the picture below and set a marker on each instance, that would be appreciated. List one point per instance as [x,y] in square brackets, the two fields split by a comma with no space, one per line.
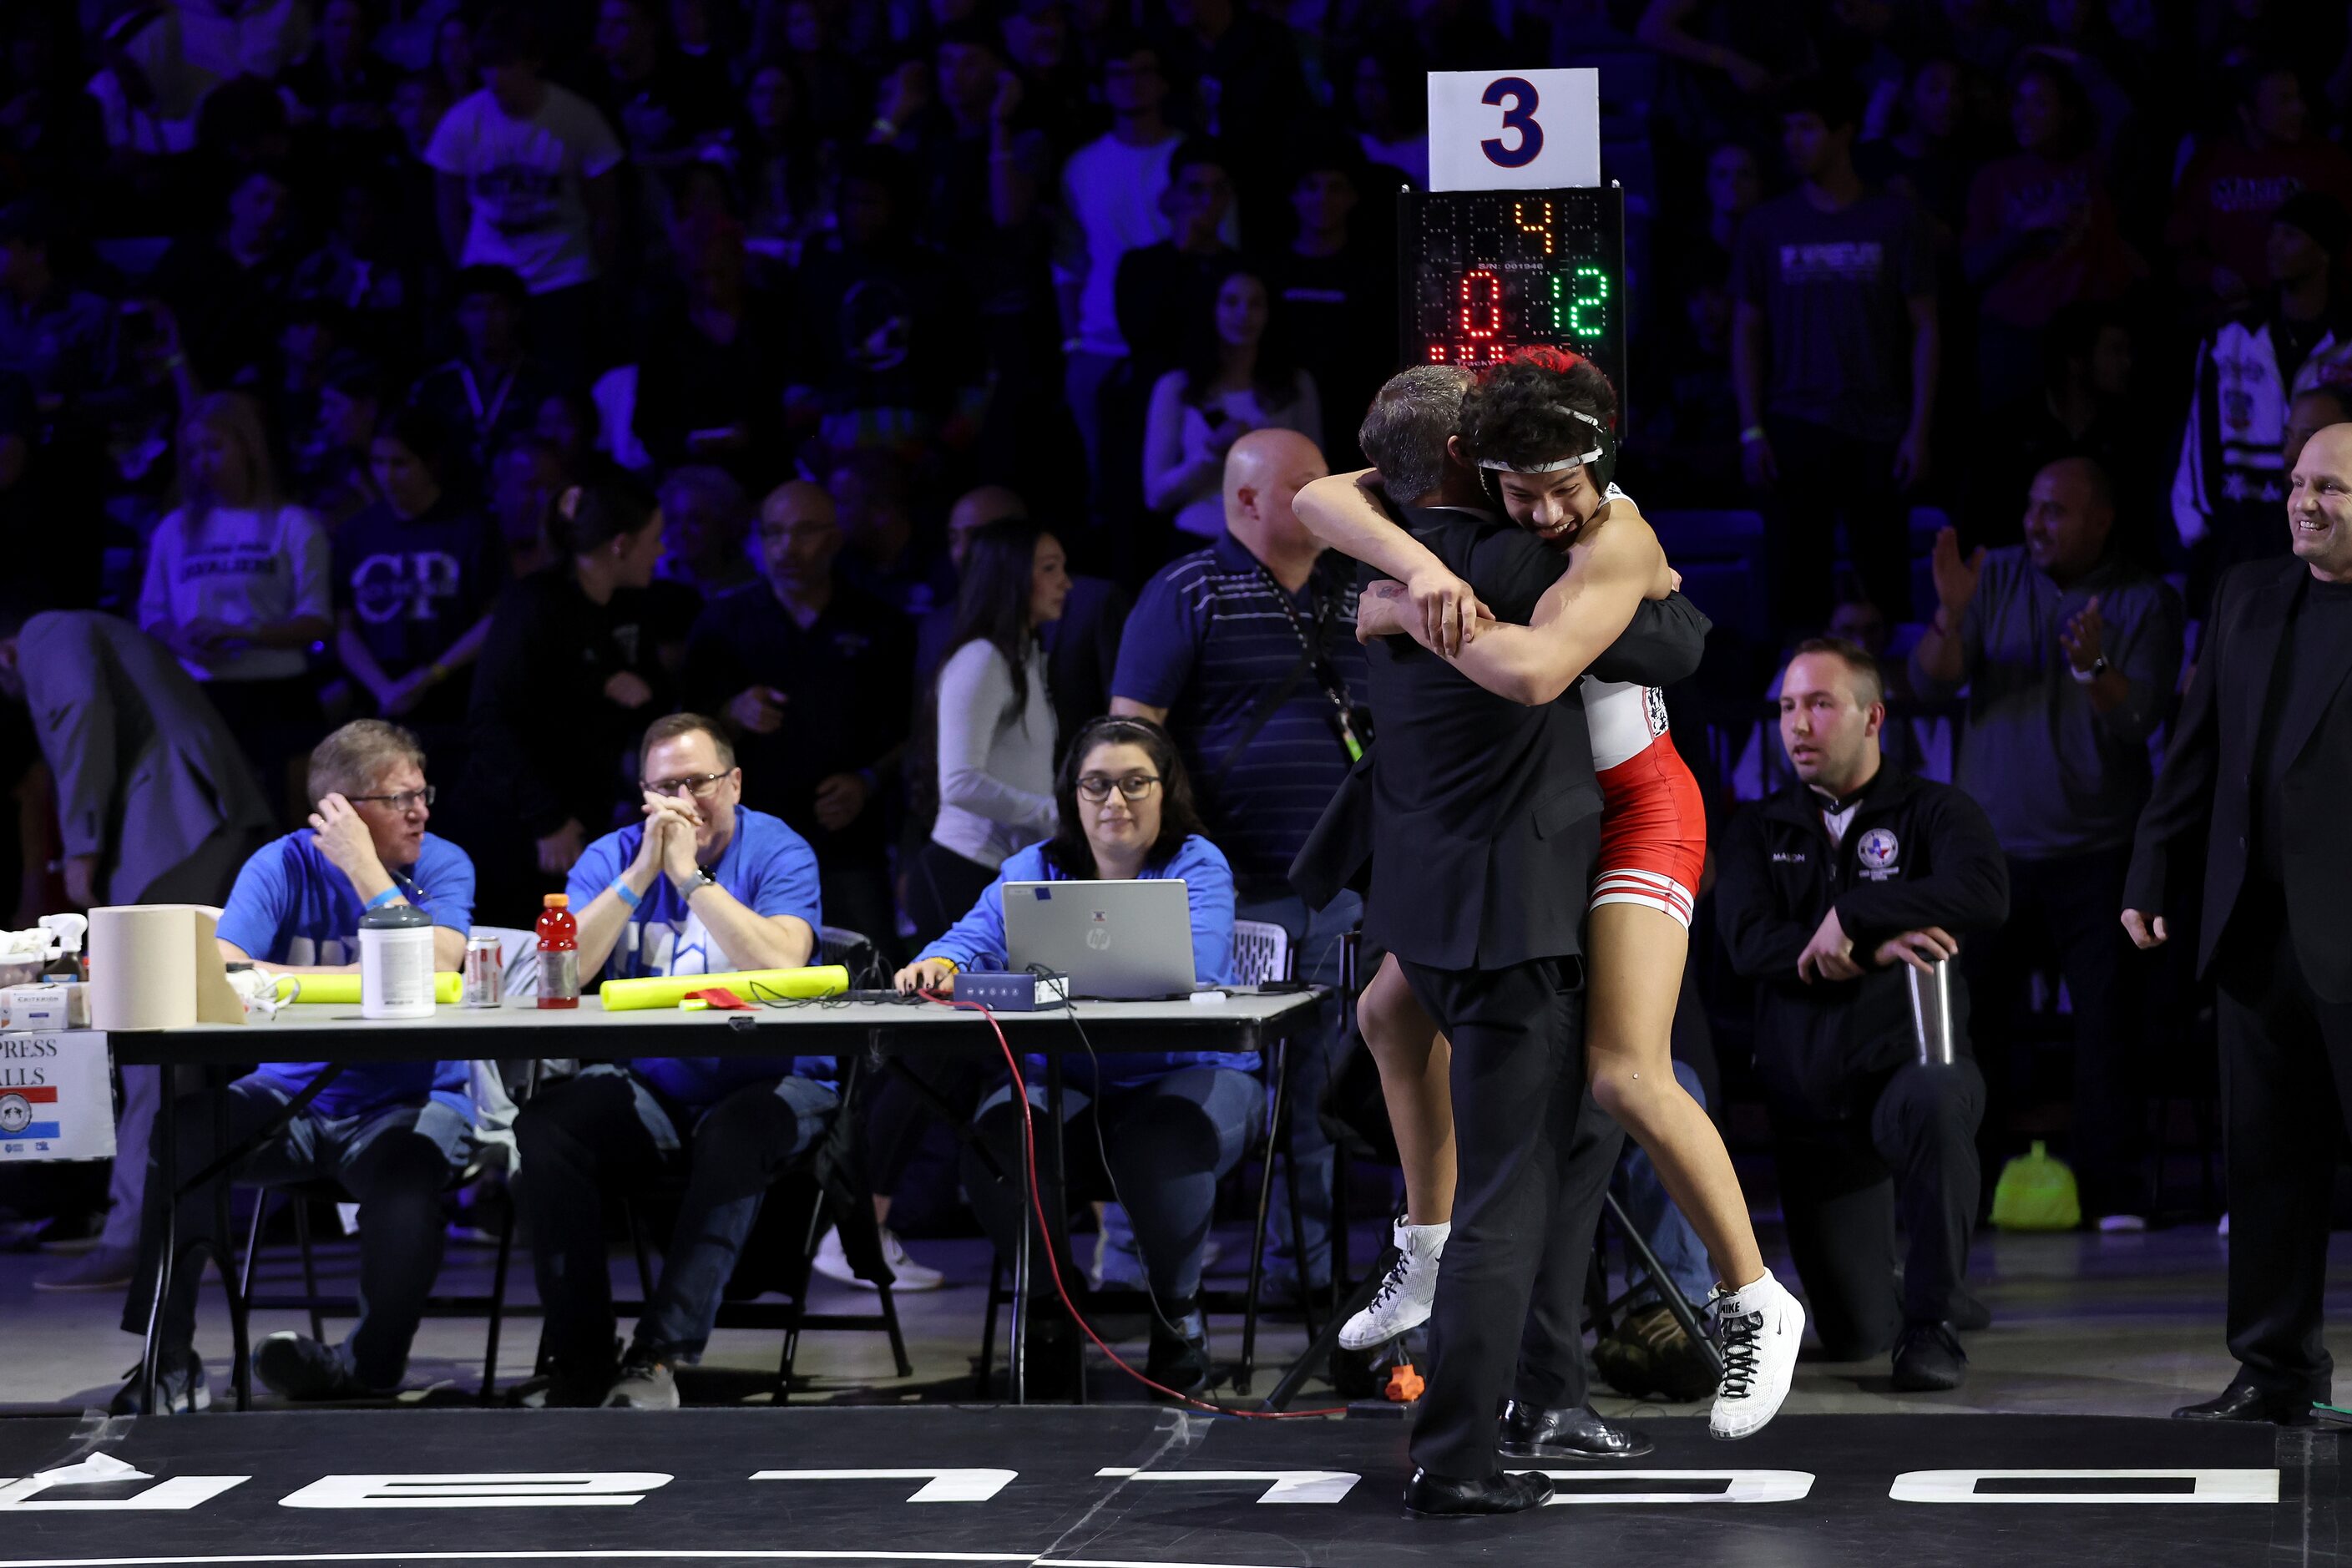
[393,1133]
[701,887]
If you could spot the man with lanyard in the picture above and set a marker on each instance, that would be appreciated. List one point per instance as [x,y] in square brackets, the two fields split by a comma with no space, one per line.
[493,390]
[1247,652]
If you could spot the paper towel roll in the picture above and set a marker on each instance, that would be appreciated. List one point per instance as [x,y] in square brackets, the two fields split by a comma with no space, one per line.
[157,967]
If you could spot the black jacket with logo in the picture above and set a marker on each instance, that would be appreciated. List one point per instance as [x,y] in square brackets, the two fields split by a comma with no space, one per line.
[1917,854]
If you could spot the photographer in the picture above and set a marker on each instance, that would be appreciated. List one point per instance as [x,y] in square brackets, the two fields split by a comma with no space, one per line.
[1825,890]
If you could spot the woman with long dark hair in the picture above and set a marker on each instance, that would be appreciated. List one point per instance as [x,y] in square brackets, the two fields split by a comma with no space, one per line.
[994,719]
[1167,1124]
[1241,375]
[565,684]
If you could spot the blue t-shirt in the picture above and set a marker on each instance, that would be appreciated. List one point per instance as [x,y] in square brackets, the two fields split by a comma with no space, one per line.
[768,869]
[292,906]
[1209,641]
[977,941]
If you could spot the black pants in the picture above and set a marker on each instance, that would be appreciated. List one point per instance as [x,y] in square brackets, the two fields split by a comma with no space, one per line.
[1842,1184]
[1518,1087]
[1826,478]
[2286,1066]
[2067,906]
[942,888]
[1552,1372]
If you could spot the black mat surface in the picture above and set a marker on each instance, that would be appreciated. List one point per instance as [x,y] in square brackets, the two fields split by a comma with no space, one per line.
[1129,1486]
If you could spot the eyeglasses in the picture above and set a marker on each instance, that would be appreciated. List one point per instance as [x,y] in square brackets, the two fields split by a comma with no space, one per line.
[702,786]
[1097,787]
[406,800]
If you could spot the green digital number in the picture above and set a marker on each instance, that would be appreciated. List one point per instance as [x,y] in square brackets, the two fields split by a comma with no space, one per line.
[1591,294]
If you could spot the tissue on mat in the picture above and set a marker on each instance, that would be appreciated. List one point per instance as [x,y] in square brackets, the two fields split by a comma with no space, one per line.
[752,985]
[157,967]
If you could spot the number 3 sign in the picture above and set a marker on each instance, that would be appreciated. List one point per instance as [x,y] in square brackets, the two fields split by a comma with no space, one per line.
[1517,130]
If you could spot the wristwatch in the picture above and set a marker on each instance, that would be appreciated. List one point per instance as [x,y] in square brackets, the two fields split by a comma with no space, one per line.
[700,879]
[2098,667]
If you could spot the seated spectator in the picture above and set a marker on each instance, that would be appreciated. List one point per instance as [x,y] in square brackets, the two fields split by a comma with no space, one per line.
[415,578]
[811,675]
[711,371]
[229,287]
[391,1133]
[58,337]
[491,392]
[1163,291]
[888,348]
[708,516]
[1930,157]
[365,270]
[1388,99]
[2298,334]
[2070,651]
[1240,374]
[2084,407]
[564,685]
[661,102]
[779,164]
[703,885]
[1835,343]
[527,183]
[241,584]
[2042,231]
[1336,287]
[525,479]
[340,92]
[2222,209]
[839,91]
[1826,892]
[884,557]
[330,450]
[1174,1122]
[994,721]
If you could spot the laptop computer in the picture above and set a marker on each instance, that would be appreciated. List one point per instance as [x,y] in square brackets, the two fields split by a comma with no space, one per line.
[1115,941]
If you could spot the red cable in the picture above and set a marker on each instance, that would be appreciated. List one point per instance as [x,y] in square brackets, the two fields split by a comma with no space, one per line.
[1053,1261]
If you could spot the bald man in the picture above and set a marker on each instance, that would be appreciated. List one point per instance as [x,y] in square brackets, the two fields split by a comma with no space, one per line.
[812,678]
[1246,650]
[2070,649]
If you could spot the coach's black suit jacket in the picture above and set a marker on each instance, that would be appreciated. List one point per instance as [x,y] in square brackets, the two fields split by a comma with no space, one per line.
[2209,768]
[1486,809]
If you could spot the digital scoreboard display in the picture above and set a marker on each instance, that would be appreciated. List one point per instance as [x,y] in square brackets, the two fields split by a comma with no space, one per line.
[1485,273]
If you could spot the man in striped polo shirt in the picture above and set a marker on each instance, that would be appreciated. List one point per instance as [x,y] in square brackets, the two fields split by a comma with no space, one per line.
[1247,652]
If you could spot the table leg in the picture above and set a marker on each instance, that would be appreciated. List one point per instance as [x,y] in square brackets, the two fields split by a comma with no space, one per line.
[1059,1175]
[166,1165]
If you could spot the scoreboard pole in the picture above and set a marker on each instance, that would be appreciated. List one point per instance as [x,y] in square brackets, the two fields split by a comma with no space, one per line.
[1484,274]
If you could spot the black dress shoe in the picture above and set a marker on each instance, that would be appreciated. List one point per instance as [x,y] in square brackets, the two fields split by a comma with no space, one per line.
[1460,1496]
[2244,1402]
[1929,1359]
[1531,1432]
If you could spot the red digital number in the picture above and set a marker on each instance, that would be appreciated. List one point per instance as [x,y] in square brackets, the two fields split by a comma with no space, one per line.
[1472,305]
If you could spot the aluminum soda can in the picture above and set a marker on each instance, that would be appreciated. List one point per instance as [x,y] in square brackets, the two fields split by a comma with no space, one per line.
[486,975]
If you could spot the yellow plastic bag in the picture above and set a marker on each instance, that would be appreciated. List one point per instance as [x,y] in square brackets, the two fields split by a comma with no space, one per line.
[2036,1193]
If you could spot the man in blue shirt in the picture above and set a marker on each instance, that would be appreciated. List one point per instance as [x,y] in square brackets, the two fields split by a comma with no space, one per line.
[393,1133]
[1247,652]
[703,886]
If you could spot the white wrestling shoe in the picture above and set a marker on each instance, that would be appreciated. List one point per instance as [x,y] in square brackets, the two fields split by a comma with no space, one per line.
[1405,1295]
[1759,1328]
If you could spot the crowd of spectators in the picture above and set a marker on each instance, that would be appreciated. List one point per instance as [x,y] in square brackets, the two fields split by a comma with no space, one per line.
[861,373]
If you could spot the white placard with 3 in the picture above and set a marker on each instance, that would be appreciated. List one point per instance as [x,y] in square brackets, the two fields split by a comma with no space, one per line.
[1514,130]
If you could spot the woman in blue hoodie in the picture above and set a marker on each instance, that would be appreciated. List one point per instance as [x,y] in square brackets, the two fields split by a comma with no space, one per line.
[1172,1123]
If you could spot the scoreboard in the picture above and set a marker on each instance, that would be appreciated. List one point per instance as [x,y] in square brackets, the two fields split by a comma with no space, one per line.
[1488,272]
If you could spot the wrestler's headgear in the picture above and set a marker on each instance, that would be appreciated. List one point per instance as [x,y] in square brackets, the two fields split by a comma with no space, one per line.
[1599,453]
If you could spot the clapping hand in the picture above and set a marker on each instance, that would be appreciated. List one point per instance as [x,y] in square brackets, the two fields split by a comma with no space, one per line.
[2083,636]
[1956,578]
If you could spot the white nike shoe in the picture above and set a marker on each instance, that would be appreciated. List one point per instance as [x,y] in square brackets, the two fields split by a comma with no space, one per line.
[1759,1328]
[832,1262]
[1405,1295]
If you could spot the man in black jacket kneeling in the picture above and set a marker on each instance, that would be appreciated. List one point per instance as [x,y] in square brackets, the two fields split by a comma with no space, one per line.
[1826,892]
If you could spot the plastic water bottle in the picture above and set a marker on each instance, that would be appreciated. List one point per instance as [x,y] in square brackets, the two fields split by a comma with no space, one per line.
[559,953]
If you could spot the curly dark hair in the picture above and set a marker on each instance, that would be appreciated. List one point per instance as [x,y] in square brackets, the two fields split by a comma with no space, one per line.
[1068,851]
[1514,413]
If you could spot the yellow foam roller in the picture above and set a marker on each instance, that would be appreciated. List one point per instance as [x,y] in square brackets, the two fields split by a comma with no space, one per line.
[344,990]
[752,984]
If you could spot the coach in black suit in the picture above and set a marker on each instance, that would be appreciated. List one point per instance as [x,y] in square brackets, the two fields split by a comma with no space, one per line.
[2260,764]
[1485,821]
